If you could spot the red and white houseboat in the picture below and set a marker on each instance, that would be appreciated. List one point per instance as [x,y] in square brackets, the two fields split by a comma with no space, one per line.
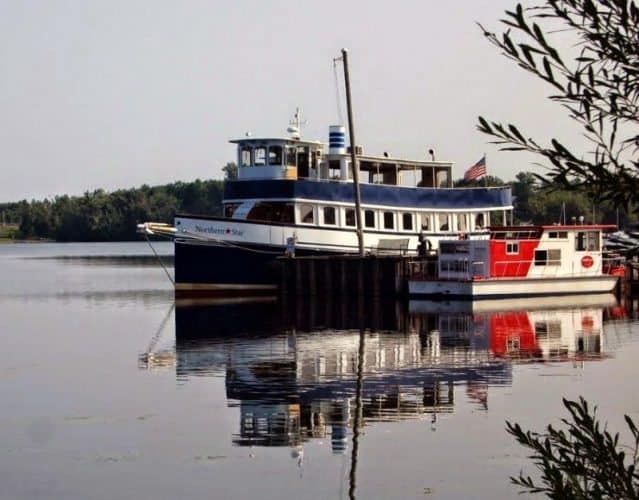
[520,261]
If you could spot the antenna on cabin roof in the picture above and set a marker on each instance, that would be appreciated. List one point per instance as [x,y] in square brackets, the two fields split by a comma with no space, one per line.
[295,125]
[432,154]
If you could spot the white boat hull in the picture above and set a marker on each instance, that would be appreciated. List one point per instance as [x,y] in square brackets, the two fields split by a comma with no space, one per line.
[513,287]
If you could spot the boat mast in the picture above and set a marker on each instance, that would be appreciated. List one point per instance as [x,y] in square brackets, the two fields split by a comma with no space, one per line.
[351,133]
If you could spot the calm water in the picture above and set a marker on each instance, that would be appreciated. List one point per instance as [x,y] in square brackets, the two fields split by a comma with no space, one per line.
[110,390]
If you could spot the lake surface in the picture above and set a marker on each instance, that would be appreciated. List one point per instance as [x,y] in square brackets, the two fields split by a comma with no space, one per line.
[110,390]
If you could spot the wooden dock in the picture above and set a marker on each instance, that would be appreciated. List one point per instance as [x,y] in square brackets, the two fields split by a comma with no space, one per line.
[352,275]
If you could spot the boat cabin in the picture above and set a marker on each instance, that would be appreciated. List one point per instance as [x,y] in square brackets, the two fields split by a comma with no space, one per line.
[525,251]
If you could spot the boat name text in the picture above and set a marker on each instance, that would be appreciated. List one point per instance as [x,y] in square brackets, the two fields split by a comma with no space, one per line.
[219,230]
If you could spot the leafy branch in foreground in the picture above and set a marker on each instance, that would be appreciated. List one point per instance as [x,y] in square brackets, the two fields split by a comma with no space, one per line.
[598,86]
[583,461]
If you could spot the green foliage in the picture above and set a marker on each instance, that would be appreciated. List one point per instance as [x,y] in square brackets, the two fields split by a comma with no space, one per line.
[230,171]
[538,203]
[583,461]
[599,88]
[102,216]
[485,181]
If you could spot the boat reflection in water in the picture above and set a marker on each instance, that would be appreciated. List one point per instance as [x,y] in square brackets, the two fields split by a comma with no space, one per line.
[307,370]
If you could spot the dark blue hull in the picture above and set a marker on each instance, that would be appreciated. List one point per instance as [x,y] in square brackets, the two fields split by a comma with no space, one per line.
[223,269]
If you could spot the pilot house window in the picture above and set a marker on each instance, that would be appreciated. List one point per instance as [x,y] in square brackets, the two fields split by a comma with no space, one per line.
[275,155]
[260,156]
[245,157]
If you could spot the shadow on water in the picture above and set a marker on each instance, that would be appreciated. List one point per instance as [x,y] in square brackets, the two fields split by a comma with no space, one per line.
[306,370]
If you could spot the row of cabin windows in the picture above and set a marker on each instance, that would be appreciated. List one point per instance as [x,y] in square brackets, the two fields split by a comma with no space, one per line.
[260,156]
[387,219]
[284,212]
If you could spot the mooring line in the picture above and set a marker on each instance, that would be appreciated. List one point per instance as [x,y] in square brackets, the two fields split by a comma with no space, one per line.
[146,236]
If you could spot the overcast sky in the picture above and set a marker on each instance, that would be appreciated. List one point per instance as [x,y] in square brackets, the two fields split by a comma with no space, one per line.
[115,94]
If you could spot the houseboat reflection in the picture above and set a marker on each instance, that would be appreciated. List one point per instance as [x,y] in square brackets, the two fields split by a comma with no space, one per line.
[293,369]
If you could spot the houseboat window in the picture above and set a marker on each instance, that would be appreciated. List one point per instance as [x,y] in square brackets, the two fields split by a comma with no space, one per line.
[512,248]
[425,221]
[462,222]
[272,212]
[587,241]
[407,221]
[260,156]
[329,216]
[389,220]
[479,221]
[229,209]
[291,156]
[548,329]
[369,218]
[442,222]
[455,266]
[548,257]
[349,217]
[541,257]
[275,155]
[245,156]
[452,247]
[306,214]
[561,235]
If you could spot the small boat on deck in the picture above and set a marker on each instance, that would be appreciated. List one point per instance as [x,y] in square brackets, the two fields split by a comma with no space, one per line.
[519,261]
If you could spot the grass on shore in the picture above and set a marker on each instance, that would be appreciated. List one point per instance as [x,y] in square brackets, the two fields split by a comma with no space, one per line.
[8,232]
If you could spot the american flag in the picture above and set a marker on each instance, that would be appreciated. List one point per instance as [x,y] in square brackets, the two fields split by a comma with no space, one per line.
[477,170]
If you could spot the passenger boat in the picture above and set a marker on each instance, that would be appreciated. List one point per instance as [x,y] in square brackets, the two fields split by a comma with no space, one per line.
[520,261]
[293,194]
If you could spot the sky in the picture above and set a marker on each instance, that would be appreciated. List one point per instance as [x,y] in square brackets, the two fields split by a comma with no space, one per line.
[115,94]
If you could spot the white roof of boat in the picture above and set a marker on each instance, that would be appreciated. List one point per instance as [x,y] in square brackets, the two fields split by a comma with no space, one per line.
[276,139]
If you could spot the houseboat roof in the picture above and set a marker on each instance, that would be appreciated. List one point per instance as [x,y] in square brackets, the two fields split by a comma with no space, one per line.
[554,227]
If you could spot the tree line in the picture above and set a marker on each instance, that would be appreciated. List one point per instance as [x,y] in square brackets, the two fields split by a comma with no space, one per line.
[104,216]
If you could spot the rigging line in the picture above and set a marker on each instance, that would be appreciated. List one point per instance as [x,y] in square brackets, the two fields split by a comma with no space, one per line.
[340,116]
[156,338]
[146,236]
